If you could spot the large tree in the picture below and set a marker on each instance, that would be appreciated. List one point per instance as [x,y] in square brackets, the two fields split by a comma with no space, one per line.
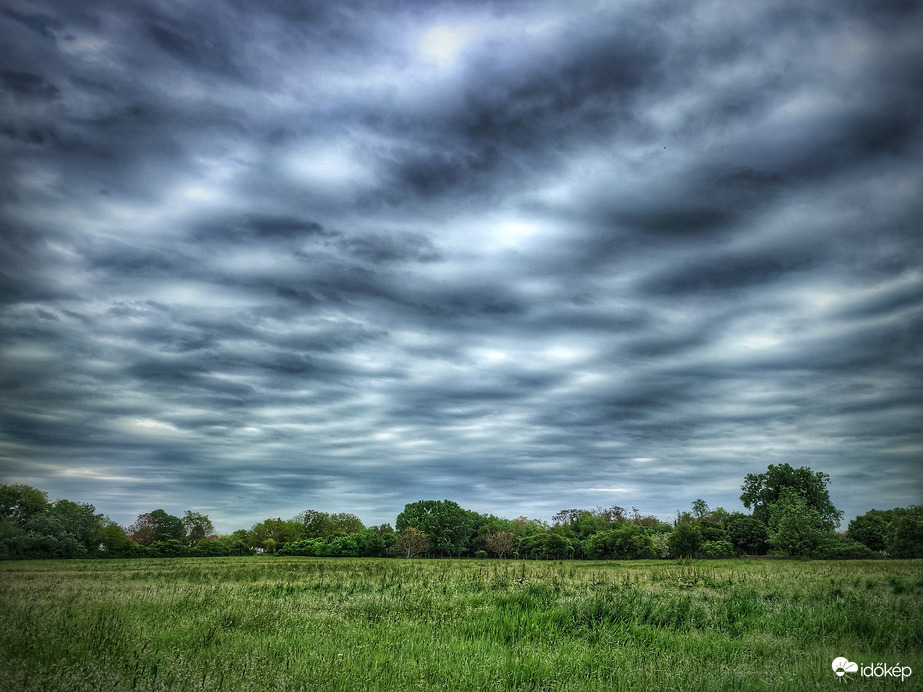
[871,529]
[905,538]
[198,527]
[272,533]
[761,491]
[19,502]
[795,527]
[158,525]
[447,525]
[746,533]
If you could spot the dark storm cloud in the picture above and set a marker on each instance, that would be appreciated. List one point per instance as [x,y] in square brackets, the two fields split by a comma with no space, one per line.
[263,257]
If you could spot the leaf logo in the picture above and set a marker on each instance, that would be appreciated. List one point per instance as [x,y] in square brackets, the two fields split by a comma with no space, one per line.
[841,666]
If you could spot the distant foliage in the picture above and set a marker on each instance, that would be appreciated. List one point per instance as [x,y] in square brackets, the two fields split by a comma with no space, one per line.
[792,516]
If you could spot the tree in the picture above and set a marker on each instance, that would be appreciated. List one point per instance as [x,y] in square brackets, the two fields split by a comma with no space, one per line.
[20,502]
[871,529]
[545,546]
[763,490]
[583,523]
[151,527]
[700,509]
[168,527]
[746,533]
[141,531]
[197,527]
[796,527]
[717,549]
[78,520]
[410,542]
[112,538]
[629,541]
[207,548]
[905,538]
[371,543]
[277,529]
[447,525]
[685,540]
[500,542]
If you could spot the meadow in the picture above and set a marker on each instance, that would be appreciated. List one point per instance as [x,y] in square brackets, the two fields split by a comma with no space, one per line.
[269,623]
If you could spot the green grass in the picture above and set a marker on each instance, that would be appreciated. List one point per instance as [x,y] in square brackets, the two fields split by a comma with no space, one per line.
[361,624]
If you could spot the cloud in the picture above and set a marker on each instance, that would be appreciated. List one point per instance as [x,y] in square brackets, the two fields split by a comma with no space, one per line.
[258,258]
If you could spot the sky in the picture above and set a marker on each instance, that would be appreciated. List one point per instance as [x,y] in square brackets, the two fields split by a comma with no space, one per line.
[261,257]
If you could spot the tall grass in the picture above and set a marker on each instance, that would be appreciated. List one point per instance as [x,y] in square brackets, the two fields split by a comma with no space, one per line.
[364,624]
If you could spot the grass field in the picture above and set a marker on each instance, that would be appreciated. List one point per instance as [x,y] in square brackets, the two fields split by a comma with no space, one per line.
[355,624]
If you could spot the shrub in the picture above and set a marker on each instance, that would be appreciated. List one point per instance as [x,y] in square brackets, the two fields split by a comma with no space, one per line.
[841,548]
[207,548]
[169,548]
[715,550]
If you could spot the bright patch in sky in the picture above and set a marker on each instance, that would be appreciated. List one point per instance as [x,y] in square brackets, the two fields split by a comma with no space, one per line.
[442,44]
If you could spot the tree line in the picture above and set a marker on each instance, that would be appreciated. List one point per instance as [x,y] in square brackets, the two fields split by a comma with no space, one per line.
[790,515]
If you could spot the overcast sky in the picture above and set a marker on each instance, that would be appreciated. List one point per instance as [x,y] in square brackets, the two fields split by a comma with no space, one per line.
[259,257]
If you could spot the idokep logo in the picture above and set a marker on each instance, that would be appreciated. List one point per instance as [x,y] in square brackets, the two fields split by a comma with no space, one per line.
[842,665]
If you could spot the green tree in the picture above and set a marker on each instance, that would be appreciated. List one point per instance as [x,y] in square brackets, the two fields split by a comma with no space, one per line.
[371,543]
[871,529]
[628,541]
[545,546]
[717,549]
[151,527]
[112,538]
[447,525]
[197,527]
[795,526]
[207,548]
[329,526]
[582,523]
[171,547]
[279,530]
[746,533]
[700,509]
[20,502]
[685,540]
[761,491]
[905,538]
[80,521]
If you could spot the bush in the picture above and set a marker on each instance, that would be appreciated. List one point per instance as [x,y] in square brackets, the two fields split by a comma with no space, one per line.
[207,548]
[545,546]
[309,547]
[239,548]
[481,554]
[716,550]
[841,548]
[170,548]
